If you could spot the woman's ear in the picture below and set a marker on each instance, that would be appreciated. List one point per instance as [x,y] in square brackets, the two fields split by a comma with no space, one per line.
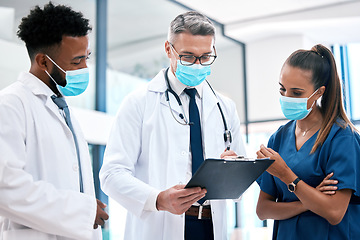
[320,92]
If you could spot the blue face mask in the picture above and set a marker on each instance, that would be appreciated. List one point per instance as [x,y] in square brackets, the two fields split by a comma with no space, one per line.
[192,75]
[295,108]
[76,81]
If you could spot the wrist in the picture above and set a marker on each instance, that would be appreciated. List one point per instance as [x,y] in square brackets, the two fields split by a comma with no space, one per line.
[288,176]
[158,204]
[301,207]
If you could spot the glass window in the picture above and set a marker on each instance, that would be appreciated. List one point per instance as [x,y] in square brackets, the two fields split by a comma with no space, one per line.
[249,226]
[354,78]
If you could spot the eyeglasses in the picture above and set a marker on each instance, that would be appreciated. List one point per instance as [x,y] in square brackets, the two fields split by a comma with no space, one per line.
[188,60]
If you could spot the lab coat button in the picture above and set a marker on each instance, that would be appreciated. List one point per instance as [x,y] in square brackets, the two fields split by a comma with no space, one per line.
[183,153]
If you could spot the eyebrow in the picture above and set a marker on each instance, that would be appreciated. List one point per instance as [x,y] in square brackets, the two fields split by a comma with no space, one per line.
[301,89]
[81,57]
[191,53]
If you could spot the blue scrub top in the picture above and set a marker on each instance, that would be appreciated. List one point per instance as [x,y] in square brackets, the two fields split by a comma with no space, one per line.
[340,153]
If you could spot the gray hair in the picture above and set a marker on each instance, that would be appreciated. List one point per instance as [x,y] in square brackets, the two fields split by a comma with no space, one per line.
[191,22]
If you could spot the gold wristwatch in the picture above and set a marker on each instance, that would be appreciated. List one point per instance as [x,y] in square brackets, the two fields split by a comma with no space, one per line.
[292,185]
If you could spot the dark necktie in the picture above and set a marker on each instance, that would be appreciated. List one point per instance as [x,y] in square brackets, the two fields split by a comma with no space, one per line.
[195,133]
[61,103]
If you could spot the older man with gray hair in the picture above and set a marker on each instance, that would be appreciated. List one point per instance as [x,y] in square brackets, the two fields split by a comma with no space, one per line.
[162,134]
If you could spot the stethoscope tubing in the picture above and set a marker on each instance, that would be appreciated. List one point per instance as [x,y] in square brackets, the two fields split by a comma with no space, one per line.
[227,133]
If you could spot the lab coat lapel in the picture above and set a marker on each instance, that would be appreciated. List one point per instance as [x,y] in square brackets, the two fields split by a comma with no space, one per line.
[175,107]
[49,104]
[42,91]
[53,108]
[158,84]
[209,102]
[212,124]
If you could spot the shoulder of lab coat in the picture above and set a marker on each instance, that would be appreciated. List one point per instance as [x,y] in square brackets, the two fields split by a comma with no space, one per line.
[33,203]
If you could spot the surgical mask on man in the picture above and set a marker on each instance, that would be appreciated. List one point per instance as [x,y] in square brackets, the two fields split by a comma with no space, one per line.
[192,75]
[295,108]
[76,80]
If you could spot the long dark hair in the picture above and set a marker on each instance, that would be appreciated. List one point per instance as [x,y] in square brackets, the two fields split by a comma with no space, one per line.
[320,61]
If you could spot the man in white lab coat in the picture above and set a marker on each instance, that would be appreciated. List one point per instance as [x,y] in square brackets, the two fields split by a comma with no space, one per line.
[46,183]
[149,155]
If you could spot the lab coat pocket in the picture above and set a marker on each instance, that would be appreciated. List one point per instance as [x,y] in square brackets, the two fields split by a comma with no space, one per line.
[28,234]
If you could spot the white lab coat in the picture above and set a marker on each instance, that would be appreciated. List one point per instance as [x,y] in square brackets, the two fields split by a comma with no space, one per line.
[149,151]
[39,179]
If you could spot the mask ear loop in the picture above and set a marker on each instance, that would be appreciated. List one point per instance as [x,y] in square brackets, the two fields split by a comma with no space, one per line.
[55,63]
[312,105]
[49,73]
[51,77]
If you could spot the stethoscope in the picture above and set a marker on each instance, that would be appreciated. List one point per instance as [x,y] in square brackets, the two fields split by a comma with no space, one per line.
[182,116]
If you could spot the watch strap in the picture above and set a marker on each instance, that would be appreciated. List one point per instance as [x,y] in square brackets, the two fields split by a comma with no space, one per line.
[296,181]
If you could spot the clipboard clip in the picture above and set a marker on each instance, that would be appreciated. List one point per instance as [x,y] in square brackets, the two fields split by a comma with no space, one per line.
[239,158]
[242,158]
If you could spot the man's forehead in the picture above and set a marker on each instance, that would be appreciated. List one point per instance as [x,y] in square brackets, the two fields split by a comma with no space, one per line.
[77,39]
[75,44]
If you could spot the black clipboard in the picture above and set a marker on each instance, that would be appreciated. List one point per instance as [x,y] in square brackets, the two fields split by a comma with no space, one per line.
[227,178]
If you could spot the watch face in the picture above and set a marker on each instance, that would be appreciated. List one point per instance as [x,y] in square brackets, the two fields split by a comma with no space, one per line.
[291,187]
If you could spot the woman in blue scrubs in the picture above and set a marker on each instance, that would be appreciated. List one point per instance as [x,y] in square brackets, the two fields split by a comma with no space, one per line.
[319,142]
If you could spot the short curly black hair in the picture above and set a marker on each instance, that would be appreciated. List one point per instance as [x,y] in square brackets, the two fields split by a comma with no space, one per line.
[44,28]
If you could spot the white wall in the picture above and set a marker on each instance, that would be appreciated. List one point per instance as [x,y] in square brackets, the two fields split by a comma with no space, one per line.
[265,58]
[7,16]
[13,60]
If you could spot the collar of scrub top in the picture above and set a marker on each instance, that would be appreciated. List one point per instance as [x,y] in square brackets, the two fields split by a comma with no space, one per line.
[179,87]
